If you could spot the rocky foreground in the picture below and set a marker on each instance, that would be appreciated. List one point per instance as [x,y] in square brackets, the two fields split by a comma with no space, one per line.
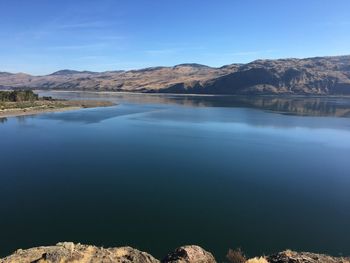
[309,76]
[70,252]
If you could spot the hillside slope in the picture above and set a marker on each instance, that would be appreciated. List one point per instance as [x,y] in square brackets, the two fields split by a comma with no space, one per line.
[316,76]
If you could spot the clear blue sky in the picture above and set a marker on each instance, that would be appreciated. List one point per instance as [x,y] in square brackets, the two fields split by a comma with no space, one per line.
[42,36]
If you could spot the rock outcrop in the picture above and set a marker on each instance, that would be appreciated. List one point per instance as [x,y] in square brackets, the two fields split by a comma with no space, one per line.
[188,254]
[289,256]
[69,252]
[315,76]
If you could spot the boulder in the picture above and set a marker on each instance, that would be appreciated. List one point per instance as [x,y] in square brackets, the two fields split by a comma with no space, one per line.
[70,252]
[289,256]
[189,254]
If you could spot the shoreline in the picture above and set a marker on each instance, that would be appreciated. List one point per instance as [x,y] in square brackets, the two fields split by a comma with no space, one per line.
[281,95]
[53,106]
[18,113]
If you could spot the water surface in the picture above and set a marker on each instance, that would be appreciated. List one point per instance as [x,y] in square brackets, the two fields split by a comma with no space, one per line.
[159,171]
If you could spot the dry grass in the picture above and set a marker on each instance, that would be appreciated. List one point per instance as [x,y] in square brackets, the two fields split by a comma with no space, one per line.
[257,260]
[236,256]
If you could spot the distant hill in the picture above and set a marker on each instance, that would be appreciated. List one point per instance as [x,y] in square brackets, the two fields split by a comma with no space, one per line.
[70,72]
[314,76]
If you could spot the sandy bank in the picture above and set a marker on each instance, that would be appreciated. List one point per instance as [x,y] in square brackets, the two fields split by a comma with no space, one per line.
[13,109]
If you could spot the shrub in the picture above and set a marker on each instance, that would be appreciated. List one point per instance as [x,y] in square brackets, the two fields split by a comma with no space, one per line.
[236,256]
[18,95]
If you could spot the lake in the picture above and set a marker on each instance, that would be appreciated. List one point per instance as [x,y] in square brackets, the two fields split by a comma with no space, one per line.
[159,171]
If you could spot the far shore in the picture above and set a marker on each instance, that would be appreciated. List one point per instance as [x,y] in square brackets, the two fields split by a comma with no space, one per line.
[278,95]
[14,109]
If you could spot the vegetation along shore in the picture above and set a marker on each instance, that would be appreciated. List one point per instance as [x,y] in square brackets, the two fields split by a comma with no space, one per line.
[26,102]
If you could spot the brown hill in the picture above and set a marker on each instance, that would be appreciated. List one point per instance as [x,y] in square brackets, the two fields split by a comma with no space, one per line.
[316,76]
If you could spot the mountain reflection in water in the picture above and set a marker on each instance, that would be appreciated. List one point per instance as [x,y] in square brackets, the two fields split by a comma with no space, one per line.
[293,105]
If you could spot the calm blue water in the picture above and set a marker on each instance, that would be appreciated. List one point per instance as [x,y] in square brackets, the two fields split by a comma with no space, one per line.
[156,172]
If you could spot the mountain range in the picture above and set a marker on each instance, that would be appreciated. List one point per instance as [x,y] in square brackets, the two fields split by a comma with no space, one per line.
[309,76]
